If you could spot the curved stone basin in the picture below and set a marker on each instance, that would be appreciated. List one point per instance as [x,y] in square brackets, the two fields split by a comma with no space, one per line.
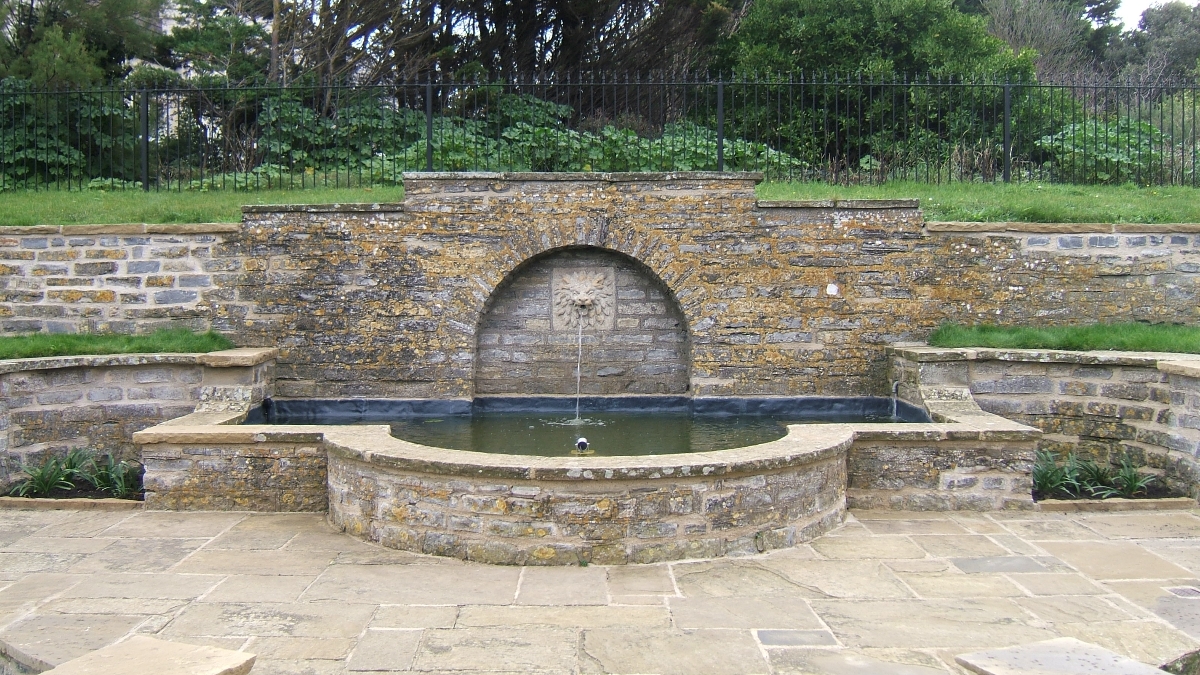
[513,509]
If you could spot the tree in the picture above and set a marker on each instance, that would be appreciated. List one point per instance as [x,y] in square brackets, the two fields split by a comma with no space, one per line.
[74,42]
[873,37]
[1051,28]
[1166,44]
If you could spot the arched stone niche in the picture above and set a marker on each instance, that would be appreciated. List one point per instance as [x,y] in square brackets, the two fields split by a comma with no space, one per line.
[634,335]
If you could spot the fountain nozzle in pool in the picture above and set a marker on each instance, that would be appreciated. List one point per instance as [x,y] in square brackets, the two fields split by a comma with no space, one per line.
[581,447]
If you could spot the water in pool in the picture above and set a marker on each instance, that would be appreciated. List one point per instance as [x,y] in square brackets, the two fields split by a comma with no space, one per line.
[625,426]
[555,435]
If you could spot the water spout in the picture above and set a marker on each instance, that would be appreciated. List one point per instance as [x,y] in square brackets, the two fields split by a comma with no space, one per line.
[895,395]
[579,359]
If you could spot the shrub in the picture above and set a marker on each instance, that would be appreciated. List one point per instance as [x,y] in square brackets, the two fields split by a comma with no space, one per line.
[1096,151]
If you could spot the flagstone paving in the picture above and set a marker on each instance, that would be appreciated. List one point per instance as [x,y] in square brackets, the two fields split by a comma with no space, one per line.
[887,593]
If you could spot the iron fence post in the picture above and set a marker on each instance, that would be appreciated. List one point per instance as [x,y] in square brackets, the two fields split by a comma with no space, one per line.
[429,124]
[1007,132]
[145,134]
[720,125]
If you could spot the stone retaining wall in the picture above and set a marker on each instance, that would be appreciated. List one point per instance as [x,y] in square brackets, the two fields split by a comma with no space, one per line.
[50,405]
[118,278]
[1102,405]
[777,298]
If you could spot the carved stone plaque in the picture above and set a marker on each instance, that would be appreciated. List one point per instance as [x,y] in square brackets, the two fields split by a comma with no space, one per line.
[583,293]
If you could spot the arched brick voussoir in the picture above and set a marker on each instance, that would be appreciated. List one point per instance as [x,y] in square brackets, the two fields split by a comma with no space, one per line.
[645,246]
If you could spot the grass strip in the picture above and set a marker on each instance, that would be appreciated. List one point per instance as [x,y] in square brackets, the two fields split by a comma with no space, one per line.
[1125,337]
[974,202]
[62,207]
[174,340]
[1017,202]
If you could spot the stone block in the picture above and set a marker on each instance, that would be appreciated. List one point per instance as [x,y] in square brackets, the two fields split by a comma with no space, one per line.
[141,654]
[1060,656]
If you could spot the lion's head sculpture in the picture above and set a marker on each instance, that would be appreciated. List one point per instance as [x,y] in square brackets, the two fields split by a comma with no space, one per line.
[585,295]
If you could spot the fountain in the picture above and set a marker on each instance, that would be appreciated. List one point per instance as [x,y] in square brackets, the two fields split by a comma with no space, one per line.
[703,318]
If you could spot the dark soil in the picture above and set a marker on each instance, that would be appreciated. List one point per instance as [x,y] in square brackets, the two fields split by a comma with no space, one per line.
[1156,490]
[85,493]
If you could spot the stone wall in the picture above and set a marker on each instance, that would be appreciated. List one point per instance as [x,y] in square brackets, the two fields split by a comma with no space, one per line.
[633,336]
[119,278]
[50,405]
[1102,405]
[234,470]
[778,298]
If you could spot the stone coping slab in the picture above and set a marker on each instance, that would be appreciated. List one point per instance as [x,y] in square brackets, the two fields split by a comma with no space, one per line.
[1114,504]
[227,358]
[1061,656]
[140,655]
[375,445]
[1063,228]
[927,354]
[839,203]
[1186,368]
[125,228]
[71,504]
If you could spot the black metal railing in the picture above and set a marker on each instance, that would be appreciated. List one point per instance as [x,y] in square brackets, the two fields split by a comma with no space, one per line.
[812,128]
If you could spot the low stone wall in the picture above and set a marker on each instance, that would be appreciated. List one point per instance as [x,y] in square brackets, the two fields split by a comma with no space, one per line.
[50,405]
[541,510]
[1102,405]
[233,469]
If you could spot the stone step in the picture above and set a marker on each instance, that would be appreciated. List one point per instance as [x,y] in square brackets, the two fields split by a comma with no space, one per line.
[1062,656]
[140,655]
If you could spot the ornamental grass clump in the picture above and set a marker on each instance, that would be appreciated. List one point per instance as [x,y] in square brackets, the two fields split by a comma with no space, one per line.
[1086,479]
[56,475]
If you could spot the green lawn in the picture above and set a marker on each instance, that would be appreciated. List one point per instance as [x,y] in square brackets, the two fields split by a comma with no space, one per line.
[1028,202]
[53,207]
[178,340]
[1033,202]
[1126,337]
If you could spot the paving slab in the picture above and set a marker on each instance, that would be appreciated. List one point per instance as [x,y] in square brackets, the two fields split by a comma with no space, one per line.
[172,525]
[942,525]
[822,662]
[1114,560]
[1174,524]
[407,616]
[266,531]
[416,584]
[259,562]
[1057,583]
[868,548]
[385,650]
[732,578]
[640,580]
[929,624]
[139,555]
[999,564]
[302,648]
[1049,530]
[959,545]
[259,588]
[818,637]
[841,578]
[677,652]
[529,650]
[934,585]
[579,616]
[1061,656]
[51,639]
[756,612]
[563,586]
[302,619]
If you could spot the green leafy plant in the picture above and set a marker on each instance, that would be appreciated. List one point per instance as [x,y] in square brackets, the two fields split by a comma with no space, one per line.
[1094,478]
[1106,151]
[1129,482]
[1051,479]
[43,480]
[119,479]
